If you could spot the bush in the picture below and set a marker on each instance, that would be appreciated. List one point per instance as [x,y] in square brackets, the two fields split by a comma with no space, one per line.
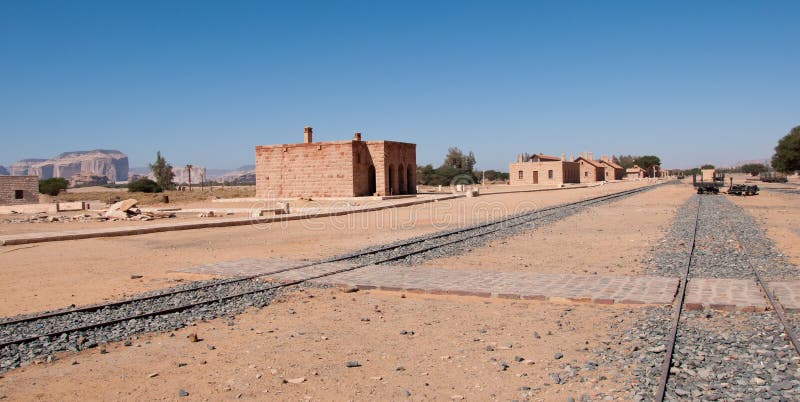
[53,186]
[754,169]
[144,186]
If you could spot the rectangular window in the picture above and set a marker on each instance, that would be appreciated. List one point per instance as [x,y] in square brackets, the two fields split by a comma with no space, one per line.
[520,175]
[550,174]
[585,174]
[18,194]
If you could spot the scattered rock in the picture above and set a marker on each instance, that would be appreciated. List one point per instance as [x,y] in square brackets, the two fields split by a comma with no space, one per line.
[352,363]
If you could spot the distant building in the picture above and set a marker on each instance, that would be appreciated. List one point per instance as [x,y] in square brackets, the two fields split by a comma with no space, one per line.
[543,169]
[635,173]
[16,190]
[335,169]
[591,170]
[613,171]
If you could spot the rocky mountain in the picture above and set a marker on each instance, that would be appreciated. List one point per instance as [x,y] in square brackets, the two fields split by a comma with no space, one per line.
[112,164]
[3,171]
[23,167]
[182,174]
[243,173]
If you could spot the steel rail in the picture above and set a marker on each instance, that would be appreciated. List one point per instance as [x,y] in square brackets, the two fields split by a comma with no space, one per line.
[662,386]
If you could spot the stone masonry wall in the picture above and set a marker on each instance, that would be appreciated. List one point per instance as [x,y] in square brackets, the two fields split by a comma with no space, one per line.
[9,185]
[305,170]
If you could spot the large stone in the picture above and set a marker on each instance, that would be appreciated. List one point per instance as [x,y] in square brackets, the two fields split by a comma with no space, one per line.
[123,205]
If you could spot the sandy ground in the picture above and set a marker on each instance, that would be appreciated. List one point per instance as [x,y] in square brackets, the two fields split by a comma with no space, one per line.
[53,275]
[311,335]
[779,214]
[609,240]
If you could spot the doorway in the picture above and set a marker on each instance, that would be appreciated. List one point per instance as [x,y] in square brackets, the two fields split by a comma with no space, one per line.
[535,177]
[371,182]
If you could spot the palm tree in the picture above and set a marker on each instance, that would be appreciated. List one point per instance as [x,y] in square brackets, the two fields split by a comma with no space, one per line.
[189,169]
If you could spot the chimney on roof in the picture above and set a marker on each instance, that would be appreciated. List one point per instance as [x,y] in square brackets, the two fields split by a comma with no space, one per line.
[519,158]
[357,136]
[307,135]
[591,156]
[572,158]
[563,157]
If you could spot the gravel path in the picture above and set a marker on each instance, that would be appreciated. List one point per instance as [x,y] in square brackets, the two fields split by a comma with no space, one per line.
[14,355]
[719,356]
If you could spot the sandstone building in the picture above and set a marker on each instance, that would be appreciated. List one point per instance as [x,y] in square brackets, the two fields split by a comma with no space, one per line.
[635,173]
[15,190]
[613,171]
[591,170]
[543,169]
[335,169]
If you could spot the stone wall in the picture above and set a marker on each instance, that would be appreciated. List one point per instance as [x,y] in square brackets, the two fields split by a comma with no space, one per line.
[305,170]
[16,190]
[555,172]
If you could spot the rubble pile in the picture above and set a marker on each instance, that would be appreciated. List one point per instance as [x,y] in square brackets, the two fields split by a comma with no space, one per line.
[123,210]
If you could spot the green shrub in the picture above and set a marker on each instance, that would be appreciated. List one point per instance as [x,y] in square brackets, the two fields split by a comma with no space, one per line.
[53,186]
[144,186]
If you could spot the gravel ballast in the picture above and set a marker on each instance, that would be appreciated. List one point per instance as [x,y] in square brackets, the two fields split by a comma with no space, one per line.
[718,355]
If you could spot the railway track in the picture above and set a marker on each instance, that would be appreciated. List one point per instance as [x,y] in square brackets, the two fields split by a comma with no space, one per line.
[26,337]
[672,340]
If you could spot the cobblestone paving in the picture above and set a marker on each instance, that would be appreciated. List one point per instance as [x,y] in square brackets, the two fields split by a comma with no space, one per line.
[553,287]
[724,294]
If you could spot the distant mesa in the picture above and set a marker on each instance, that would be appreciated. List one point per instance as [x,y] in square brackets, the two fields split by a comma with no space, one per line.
[108,163]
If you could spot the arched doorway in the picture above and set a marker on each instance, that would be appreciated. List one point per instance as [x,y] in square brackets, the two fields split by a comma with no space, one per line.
[411,184]
[371,184]
[401,183]
[390,183]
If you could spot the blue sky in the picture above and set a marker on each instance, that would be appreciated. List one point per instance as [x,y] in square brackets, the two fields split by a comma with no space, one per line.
[204,82]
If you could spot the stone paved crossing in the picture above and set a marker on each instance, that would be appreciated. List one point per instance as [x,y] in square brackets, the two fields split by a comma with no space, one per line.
[701,293]
[517,285]
[725,294]
[788,294]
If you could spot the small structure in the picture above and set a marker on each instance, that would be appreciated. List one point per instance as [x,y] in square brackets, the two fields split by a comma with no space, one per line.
[635,173]
[708,174]
[591,170]
[335,169]
[613,171]
[17,190]
[543,169]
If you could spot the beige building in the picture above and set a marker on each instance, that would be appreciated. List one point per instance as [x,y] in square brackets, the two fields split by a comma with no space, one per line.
[590,169]
[349,168]
[543,169]
[635,173]
[613,171]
